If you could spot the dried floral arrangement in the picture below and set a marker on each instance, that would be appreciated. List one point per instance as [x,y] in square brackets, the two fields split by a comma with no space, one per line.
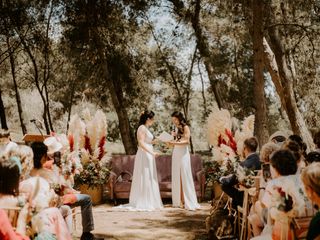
[87,138]
[226,146]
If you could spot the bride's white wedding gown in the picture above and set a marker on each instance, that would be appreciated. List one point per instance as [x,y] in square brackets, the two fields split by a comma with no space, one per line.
[144,193]
[181,169]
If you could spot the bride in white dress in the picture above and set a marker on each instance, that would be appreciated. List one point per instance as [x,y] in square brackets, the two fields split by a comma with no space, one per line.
[183,190]
[144,193]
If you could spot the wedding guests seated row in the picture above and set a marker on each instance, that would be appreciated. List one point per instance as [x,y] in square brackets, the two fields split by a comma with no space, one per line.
[27,188]
[281,194]
[53,175]
[36,202]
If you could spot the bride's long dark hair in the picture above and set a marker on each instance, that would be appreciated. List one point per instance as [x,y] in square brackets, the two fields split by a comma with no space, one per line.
[182,122]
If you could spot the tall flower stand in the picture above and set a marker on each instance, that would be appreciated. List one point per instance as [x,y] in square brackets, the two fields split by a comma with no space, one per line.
[95,192]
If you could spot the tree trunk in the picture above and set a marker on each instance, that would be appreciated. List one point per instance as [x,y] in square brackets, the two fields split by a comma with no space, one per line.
[73,89]
[205,110]
[202,45]
[3,114]
[37,83]
[127,136]
[114,86]
[16,89]
[277,66]
[261,128]
[46,71]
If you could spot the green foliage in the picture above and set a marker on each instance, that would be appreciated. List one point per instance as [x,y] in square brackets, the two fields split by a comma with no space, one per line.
[93,45]
[94,173]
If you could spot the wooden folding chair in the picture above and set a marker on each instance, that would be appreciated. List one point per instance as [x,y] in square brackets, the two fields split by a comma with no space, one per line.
[248,196]
[301,226]
[74,217]
[13,214]
[253,199]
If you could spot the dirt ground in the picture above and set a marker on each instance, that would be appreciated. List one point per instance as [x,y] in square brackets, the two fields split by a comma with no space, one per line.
[169,223]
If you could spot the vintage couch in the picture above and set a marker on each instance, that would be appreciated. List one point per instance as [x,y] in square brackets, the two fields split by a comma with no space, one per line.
[119,183]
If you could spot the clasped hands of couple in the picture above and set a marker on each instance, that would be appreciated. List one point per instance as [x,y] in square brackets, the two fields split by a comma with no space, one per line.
[169,144]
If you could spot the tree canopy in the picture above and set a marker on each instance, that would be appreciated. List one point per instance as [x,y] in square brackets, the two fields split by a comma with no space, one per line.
[250,57]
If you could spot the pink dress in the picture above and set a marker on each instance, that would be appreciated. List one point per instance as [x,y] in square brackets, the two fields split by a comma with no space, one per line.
[6,230]
[50,220]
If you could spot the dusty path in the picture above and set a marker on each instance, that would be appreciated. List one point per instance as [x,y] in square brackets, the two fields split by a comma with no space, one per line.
[169,223]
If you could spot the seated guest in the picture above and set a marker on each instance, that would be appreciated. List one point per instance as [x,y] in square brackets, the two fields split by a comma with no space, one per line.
[54,178]
[25,155]
[42,199]
[6,230]
[267,150]
[265,154]
[297,151]
[313,156]
[311,179]
[255,216]
[316,140]
[252,162]
[9,189]
[45,220]
[283,170]
[301,143]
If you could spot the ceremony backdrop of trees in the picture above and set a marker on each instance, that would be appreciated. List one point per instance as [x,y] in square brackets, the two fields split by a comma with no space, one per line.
[122,56]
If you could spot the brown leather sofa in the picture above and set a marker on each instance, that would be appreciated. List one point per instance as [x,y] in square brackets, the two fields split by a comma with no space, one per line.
[122,168]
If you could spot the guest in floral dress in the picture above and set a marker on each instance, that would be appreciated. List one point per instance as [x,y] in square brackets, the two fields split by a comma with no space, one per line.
[53,177]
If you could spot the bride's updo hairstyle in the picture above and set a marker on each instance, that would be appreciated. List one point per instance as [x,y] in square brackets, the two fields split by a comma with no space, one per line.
[145,115]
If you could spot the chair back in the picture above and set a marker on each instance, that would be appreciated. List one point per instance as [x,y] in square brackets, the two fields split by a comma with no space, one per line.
[13,214]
